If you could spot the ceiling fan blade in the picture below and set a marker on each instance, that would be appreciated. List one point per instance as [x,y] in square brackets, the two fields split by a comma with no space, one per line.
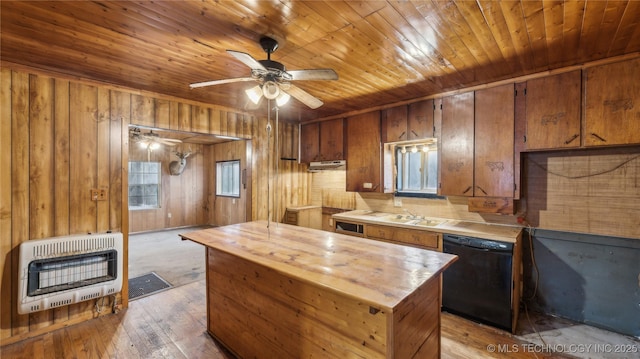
[247,60]
[303,96]
[220,82]
[313,74]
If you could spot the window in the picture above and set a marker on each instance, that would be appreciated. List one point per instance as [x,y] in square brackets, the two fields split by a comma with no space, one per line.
[228,178]
[144,185]
[417,169]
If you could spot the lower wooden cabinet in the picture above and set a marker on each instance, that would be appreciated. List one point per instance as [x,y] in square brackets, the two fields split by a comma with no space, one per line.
[412,237]
[304,216]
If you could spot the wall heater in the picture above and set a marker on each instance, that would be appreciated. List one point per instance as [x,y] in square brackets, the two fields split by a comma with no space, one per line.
[60,271]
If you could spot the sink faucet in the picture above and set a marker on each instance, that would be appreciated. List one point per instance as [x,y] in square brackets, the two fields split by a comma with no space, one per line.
[411,215]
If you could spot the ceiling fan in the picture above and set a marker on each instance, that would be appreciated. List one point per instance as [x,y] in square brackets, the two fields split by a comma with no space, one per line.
[151,140]
[274,81]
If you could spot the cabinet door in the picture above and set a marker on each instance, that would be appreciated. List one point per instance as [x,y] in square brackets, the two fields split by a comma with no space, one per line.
[420,120]
[309,142]
[331,140]
[364,147]
[494,132]
[612,115]
[456,146]
[553,111]
[395,124]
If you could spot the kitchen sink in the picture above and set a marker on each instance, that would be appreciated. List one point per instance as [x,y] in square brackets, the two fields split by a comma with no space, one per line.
[412,220]
[428,223]
[398,218]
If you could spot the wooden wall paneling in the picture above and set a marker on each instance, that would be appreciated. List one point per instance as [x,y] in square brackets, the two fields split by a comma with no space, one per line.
[203,175]
[119,124]
[214,121]
[520,128]
[120,105]
[41,157]
[260,180]
[41,172]
[143,110]
[83,122]
[174,115]
[163,114]
[19,185]
[232,123]
[6,278]
[200,119]
[103,163]
[184,117]
[590,191]
[62,153]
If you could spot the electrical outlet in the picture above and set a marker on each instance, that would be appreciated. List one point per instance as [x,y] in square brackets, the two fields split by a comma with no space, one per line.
[397,201]
[98,194]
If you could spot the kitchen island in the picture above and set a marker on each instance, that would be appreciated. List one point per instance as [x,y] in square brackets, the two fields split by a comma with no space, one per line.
[283,291]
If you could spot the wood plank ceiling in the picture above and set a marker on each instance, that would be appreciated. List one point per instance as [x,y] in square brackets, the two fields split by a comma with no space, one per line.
[383,51]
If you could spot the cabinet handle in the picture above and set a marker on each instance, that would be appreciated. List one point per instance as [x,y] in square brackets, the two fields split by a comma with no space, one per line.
[571,139]
[483,191]
[402,134]
[414,133]
[598,137]
[466,190]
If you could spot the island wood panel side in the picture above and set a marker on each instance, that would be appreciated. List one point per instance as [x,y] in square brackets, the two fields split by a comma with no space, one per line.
[254,309]
[416,322]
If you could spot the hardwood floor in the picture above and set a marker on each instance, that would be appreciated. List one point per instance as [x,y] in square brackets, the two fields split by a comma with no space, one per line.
[172,324]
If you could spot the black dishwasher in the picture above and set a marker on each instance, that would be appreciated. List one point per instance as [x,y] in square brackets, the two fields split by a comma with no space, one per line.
[479,284]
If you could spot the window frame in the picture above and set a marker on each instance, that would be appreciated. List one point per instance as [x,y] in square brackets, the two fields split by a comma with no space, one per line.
[427,159]
[234,176]
[145,175]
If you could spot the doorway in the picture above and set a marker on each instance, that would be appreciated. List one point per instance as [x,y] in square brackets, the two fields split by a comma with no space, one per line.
[184,202]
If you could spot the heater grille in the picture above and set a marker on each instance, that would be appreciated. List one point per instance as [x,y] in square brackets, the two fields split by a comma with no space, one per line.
[63,270]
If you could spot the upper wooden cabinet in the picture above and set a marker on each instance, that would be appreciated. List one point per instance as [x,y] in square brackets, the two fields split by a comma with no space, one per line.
[456,145]
[494,142]
[408,122]
[477,143]
[364,150]
[332,140]
[612,104]
[322,141]
[420,120]
[553,112]
[309,142]
[394,124]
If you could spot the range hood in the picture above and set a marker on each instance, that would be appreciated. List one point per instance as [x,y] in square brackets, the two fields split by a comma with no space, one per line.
[327,165]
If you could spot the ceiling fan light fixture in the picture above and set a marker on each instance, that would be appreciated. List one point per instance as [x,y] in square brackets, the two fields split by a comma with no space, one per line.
[254,94]
[270,90]
[282,99]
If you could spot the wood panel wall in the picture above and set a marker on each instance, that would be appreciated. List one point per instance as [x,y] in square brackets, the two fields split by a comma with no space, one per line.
[62,137]
[589,191]
[183,198]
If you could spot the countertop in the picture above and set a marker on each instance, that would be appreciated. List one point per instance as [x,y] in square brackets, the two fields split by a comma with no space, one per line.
[497,232]
[378,273]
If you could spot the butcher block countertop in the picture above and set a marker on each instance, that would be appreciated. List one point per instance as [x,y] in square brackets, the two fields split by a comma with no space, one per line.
[293,292]
[378,273]
[498,232]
